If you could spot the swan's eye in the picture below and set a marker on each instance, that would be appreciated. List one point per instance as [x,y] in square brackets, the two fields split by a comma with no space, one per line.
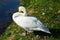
[21,12]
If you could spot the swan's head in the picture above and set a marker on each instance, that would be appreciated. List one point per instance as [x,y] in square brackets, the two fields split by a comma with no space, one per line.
[22,10]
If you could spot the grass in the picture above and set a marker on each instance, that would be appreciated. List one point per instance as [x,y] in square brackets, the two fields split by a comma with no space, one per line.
[36,8]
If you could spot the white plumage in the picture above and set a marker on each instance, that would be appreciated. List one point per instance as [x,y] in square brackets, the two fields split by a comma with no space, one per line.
[28,23]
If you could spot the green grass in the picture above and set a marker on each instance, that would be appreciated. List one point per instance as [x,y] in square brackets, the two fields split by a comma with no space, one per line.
[51,19]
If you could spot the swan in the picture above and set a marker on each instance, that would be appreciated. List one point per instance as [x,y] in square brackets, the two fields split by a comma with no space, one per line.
[28,23]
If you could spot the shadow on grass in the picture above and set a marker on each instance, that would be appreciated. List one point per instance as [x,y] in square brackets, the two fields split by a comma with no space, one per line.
[54,33]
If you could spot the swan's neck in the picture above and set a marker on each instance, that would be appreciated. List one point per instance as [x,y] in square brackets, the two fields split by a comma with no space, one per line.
[24,14]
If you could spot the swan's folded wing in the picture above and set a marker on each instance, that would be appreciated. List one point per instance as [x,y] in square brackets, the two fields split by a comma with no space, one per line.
[42,27]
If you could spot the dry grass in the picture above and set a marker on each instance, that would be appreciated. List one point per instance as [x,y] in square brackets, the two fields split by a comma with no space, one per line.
[11,37]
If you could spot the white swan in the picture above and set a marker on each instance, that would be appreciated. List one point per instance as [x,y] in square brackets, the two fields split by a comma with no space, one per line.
[28,23]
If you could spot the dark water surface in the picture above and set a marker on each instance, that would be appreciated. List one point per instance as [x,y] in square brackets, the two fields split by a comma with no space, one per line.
[7,8]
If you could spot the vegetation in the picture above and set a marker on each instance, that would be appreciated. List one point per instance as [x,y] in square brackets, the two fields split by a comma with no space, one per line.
[48,11]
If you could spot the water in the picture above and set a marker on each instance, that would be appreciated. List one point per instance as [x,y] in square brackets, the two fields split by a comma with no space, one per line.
[7,8]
